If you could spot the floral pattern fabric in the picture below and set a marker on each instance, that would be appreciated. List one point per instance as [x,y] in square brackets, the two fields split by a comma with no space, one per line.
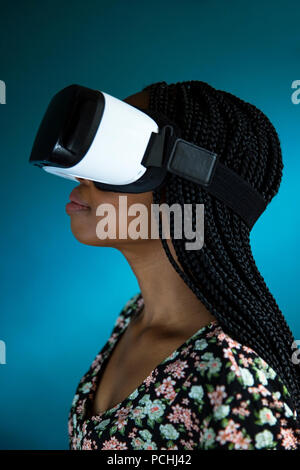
[211,393]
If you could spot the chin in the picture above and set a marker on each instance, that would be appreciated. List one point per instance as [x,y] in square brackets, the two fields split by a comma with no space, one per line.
[80,232]
[90,239]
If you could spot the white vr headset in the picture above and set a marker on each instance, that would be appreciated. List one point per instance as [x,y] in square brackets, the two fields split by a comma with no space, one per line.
[90,134]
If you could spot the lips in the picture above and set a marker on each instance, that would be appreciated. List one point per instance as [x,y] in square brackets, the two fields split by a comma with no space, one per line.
[76,204]
[74,197]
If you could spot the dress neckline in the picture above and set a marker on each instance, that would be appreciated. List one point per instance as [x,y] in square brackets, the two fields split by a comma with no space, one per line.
[88,415]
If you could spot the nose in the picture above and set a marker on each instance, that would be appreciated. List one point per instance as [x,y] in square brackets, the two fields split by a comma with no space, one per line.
[84,181]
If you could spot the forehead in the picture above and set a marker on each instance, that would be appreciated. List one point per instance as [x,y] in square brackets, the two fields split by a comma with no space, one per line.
[140,99]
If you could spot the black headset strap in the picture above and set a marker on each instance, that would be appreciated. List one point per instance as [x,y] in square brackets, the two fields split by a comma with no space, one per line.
[203,167]
[229,187]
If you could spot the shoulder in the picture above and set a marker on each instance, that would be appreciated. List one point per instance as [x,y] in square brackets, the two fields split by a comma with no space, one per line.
[245,402]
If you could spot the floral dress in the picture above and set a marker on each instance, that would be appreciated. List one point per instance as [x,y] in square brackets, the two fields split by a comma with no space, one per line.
[212,392]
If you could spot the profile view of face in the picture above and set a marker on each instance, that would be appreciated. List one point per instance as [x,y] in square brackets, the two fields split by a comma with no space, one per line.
[84,218]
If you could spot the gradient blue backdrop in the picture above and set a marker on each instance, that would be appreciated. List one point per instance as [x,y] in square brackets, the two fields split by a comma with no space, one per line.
[59,298]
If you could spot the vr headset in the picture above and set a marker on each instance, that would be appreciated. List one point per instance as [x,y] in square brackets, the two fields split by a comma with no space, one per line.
[90,134]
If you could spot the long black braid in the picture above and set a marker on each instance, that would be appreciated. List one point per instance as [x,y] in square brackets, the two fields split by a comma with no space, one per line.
[223,274]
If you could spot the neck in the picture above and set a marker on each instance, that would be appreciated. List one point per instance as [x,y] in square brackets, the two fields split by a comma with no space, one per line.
[169,304]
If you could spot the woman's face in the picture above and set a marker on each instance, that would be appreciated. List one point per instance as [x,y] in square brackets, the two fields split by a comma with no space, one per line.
[86,224]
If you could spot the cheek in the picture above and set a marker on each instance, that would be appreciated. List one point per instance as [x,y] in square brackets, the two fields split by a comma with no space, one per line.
[103,225]
[136,218]
[130,215]
[121,221]
[114,218]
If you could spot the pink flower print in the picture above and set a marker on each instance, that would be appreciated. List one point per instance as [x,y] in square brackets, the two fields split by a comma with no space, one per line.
[234,366]
[97,360]
[244,404]
[245,360]
[223,436]
[187,383]
[166,389]
[114,444]
[113,338]
[215,332]
[75,442]
[122,415]
[230,433]
[263,363]
[240,442]
[241,411]
[231,342]
[289,441]
[84,428]
[263,390]
[231,426]
[248,350]
[96,419]
[80,408]
[276,404]
[87,444]
[189,445]
[70,427]
[180,414]
[186,350]
[176,368]
[260,390]
[216,397]
[150,379]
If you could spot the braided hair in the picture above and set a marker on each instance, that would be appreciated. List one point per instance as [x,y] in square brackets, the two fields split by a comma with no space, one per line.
[223,274]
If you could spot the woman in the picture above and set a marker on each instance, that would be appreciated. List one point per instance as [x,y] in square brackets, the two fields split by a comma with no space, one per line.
[201,357]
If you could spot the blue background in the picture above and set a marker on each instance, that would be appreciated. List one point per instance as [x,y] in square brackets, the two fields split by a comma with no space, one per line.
[59,299]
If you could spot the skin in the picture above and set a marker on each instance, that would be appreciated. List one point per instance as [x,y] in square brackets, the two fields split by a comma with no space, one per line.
[170,307]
